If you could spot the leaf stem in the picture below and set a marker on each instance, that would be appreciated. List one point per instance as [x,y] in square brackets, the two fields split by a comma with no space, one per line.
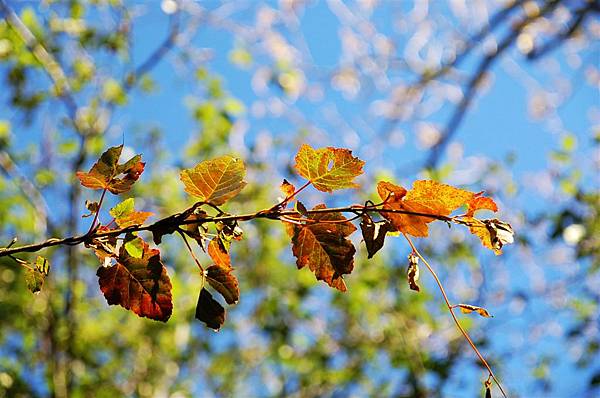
[288,198]
[97,212]
[451,310]
[187,244]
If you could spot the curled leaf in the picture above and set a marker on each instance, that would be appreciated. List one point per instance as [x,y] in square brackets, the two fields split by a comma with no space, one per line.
[105,173]
[412,273]
[488,389]
[501,233]
[328,168]
[209,311]
[493,233]
[36,275]
[215,181]
[92,207]
[287,188]
[374,234]
[467,309]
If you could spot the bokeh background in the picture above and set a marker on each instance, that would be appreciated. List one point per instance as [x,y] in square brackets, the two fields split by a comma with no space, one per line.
[501,96]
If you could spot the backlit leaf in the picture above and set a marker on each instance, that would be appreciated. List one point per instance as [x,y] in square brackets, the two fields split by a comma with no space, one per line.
[224,282]
[125,214]
[215,181]
[219,254]
[467,309]
[328,168]
[209,311]
[134,246]
[138,284]
[35,276]
[105,173]
[287,188]
[480,202]
[323,247]
[427,197]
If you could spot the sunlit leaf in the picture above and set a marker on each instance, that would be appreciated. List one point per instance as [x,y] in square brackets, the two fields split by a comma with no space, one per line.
[134,246]
[479,202]
[426,197]
[209,311]
[138,284]
[467,309]
[328,168]
[35,276]
[125,214]
[219,254]
[323,247]
[215,181]
[287,188]
[223,281]
[105,173]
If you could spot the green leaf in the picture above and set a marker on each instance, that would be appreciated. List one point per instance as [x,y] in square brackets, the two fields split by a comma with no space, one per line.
[36,276]
[135,247]
[125,215]
[123,209]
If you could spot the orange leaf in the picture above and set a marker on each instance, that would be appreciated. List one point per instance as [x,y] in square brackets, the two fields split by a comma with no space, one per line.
[328,168]
[440,198]
[468,308]
[138,284]
[409,224]
[323,247]
[103,174]
[427,197]
[287,188]
[480,202]
[215,181]
[219,255]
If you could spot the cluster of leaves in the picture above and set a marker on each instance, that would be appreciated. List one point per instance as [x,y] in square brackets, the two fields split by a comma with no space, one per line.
[133,275]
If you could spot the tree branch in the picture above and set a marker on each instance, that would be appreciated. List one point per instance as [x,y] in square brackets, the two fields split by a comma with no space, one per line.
[179,219]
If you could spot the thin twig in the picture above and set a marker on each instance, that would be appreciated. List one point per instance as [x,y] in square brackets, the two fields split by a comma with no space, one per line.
[451,310]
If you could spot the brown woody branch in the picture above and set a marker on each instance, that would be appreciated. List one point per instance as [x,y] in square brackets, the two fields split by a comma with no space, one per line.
[180,219]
